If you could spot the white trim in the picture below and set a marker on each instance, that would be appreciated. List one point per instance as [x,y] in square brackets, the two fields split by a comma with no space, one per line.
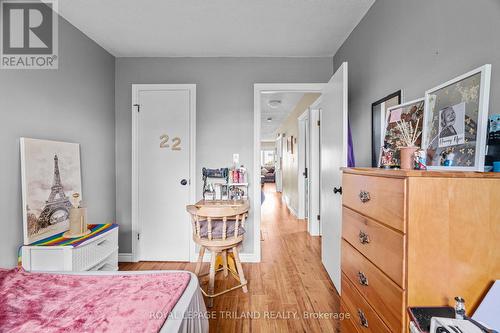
[24,189]
[302,122]
[313,224]
[125,257]
[257,89]
[136,88]
[286,200]
[484,95]
[292,210]
[278,163]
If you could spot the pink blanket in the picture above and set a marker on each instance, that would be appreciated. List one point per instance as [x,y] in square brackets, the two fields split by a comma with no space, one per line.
[37,302]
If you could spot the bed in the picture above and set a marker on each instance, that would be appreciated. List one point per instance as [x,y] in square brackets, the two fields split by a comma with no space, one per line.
[163,301]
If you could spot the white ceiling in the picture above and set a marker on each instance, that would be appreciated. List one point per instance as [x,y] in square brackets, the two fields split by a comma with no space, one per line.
[279,114]
[206,28]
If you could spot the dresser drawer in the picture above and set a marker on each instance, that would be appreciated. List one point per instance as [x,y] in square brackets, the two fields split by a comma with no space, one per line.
[364,317]
[380,198]
[87,256]
[347,324]
[381,245]
[383,295]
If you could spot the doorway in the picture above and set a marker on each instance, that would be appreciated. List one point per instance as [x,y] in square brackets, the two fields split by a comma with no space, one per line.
[332,138]
[268,99]
[163,165]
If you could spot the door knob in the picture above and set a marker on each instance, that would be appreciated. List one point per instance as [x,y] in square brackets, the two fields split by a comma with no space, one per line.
[337,190]
[184,182]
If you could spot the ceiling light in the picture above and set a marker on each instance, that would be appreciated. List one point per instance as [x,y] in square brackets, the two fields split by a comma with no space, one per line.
[269,119]
[274,103]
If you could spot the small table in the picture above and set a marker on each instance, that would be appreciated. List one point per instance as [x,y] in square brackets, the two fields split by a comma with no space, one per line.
[221,203]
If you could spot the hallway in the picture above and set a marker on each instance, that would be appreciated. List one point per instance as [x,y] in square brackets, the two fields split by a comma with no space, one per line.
[288,290]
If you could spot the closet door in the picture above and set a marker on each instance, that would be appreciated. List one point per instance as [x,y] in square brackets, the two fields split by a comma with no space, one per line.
[163,161]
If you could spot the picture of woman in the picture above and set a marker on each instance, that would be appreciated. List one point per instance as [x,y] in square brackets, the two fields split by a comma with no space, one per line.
[451,125]
[448,117]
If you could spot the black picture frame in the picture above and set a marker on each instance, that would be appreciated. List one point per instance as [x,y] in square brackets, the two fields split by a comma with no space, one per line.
[376,131]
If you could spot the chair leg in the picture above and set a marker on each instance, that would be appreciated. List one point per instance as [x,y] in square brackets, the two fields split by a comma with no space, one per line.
[211,281]
[224,262]
[240,269]
[200,261]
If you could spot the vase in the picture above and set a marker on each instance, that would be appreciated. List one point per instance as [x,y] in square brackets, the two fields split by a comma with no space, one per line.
[407,157]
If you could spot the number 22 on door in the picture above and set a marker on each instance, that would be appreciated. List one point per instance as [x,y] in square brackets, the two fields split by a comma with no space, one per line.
[176,142]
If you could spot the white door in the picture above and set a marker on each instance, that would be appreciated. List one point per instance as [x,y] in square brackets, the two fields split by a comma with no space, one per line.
[163,161]
[333,157]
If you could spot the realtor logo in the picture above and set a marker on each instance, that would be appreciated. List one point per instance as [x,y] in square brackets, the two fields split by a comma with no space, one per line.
[28,34]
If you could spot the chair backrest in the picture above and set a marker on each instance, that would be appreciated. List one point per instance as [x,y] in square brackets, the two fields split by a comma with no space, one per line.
[218,212]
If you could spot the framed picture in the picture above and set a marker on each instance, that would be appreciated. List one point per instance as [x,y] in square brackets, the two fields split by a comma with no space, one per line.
[494,130]
[411,113]
[455,122]
[379,109]
[50,175]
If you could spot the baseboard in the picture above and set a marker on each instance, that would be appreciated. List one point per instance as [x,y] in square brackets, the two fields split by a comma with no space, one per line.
[249,257]
[291,209]
[125,257]
[244,257]
[286,201]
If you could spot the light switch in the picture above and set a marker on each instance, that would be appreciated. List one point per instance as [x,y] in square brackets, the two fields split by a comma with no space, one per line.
[236,159]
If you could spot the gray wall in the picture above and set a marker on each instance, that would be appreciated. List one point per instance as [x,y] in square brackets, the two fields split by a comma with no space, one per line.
[74,103]
[415,45]
[224,96]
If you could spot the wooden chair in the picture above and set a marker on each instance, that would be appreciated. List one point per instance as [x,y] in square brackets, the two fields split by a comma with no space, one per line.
[219,227]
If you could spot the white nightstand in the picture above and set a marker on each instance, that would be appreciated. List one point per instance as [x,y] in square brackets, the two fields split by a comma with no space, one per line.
[99,253]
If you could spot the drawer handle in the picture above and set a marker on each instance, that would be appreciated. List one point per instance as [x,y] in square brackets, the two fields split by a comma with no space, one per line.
[362,318]
[363,280]
[363,238]
[101,242]
[364,196]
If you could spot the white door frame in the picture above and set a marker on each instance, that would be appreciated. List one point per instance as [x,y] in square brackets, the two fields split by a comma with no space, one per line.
[136,224]
[258,88]
[278,163]
[314,224]
[303,121]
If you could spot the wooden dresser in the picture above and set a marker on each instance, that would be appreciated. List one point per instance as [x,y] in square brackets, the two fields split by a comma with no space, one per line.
[415,238]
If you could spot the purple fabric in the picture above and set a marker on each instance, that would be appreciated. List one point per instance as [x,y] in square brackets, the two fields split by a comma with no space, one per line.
[217,229]
[350,150]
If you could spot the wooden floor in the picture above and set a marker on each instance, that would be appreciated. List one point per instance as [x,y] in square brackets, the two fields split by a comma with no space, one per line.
[289,289]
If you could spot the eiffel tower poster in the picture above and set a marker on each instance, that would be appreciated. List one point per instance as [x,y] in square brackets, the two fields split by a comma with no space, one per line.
[50,175]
